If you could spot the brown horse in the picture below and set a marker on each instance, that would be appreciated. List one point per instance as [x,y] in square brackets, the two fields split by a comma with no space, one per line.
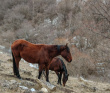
[37,53]
[59,67]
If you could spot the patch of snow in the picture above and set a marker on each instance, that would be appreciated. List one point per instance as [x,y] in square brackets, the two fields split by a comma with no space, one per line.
[34,65]
[58,1]
[1,52]
[47,20]
[101,71]
[54,22]
[74,38]
[36,35]
[2,47]
[100,63]
[23,60]
[31,65]
[104,1]
[23,87]
[32,89]
[77,40]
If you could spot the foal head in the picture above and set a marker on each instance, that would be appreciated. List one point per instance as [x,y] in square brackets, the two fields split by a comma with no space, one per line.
[65,53]
[65,78]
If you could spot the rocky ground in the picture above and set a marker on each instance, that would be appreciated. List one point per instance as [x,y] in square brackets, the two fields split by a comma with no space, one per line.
[10,84]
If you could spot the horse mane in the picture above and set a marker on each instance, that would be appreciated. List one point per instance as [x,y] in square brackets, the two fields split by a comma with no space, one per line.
[54,47]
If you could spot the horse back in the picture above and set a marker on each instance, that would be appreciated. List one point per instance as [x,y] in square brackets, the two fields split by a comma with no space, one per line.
[26,50]
[56,65]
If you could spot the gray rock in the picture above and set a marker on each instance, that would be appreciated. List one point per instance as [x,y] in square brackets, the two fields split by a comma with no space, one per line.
[12,82]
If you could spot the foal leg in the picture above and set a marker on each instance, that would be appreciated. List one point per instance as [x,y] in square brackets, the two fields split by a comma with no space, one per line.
[58,77]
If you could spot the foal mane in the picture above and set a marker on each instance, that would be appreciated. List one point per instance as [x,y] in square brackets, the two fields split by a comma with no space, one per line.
[64,67]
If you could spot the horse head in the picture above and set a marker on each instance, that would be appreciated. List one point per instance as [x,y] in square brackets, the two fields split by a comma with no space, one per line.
[65,53]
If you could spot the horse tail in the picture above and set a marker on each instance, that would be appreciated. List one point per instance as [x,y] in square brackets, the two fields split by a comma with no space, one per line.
[14,64]
[15,69]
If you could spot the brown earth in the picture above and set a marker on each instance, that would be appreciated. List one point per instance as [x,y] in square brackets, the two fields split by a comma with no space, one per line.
[10,84]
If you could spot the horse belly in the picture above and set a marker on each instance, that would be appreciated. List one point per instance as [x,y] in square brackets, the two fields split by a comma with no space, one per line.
[29,57]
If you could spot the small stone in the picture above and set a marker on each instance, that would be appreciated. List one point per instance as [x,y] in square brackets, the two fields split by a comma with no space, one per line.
[32,89]
[44,90]
[13,82]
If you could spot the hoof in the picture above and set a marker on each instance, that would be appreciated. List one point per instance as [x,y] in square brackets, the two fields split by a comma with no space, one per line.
[19,77]
[59,83]
[48,81]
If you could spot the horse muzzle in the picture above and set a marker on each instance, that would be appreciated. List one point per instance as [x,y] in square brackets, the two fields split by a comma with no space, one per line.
[69,60]
[63,85]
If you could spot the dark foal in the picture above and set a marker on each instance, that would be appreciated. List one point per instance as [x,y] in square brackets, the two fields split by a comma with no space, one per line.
[41,54]
[59,67]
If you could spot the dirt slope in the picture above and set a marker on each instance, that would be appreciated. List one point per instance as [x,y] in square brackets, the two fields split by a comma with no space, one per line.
[10,84]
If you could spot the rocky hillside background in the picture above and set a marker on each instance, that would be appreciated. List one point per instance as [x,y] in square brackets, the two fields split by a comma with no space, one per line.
[83,24]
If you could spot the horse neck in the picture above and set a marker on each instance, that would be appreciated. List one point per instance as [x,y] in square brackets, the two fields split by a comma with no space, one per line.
[55,51]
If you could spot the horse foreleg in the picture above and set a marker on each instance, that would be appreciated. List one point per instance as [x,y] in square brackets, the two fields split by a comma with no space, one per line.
[40,71]
[47,73]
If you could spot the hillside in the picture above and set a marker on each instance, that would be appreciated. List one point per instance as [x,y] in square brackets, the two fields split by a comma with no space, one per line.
[83,24]
[10,84]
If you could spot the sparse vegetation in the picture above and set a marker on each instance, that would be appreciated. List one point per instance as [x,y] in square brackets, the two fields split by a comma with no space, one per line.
[85,25]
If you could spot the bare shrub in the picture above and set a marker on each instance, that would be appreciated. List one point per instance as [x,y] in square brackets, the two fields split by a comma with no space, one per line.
[26,31]
[24,10]
[12,20]
[45,33]
[99,11]
[37,9]
[39,18]
[51,12]
[82,67]
[68,10]
[7,38]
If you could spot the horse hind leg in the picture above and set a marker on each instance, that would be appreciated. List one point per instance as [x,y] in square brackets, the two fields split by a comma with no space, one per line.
[17,67]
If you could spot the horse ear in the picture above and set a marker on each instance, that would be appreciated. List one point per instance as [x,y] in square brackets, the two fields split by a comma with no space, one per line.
[66,44]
